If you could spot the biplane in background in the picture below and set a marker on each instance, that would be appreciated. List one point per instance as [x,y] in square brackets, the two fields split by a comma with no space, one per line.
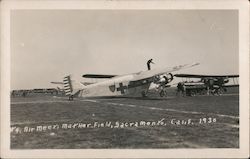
[130,85]
[208,84]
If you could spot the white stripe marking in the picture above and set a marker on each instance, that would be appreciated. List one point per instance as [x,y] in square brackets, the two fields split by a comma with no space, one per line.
[172,110]
[89,100]
[66,86]
[130,105]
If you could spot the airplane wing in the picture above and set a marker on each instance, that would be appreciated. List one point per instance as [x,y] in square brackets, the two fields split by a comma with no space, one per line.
[231,85]
[87,83]
[84,83]
[98,76]
[205,76]
[57,83]
[155,72]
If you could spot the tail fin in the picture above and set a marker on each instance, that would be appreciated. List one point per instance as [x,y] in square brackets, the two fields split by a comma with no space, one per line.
[71,87]
[67,85]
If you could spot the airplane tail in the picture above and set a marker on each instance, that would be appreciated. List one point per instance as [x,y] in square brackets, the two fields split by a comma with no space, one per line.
[71,87]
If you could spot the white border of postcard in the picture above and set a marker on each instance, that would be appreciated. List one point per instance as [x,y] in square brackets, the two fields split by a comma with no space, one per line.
[241,5]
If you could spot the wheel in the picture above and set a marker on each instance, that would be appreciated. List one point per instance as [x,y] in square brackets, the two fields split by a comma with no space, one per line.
[71,97]
[162,93]
[192,93]
[144,94]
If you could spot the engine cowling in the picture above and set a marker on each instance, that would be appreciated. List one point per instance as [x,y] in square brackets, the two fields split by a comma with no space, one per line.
[169,77]
[164,79]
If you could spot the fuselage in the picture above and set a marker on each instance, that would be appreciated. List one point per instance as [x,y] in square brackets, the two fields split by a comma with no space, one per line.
[116,86]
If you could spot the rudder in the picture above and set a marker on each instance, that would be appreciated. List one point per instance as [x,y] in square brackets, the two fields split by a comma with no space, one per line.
[67,85]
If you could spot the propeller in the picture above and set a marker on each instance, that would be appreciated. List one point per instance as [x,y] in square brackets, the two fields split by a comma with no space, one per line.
[168,78]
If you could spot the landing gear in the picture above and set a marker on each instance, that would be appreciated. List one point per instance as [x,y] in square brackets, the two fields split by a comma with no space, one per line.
[163,93]
[144,94]
[71,97]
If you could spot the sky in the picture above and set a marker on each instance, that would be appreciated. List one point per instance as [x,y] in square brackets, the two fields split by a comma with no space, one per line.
[46,45]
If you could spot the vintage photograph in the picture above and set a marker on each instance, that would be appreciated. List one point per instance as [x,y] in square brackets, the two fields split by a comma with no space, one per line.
[126,79]
[122,80]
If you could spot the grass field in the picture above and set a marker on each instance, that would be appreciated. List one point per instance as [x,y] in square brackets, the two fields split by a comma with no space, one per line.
[173,122]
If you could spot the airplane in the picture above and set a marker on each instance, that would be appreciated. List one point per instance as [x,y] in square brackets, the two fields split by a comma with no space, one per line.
[60,87]
[214,83]
[121,85]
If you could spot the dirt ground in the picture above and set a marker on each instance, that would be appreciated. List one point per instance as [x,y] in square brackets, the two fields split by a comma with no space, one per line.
[127,123]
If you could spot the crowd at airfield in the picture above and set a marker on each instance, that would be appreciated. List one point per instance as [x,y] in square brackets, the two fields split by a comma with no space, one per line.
[47,91]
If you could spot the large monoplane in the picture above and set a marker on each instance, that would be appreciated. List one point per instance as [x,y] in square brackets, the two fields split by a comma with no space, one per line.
[121,85]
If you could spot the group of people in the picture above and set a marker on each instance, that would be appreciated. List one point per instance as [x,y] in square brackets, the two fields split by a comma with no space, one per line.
[22,93]
[181,88]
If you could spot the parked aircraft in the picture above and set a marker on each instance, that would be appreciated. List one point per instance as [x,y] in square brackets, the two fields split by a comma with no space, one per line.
[121,85]
[209,83]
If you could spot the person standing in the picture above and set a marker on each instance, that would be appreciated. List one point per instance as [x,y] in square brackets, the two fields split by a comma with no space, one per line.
[181,89]
[149,63]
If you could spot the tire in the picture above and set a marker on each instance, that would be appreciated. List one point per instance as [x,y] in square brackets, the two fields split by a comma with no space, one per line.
[71,98]
[143,93]
[162,93]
